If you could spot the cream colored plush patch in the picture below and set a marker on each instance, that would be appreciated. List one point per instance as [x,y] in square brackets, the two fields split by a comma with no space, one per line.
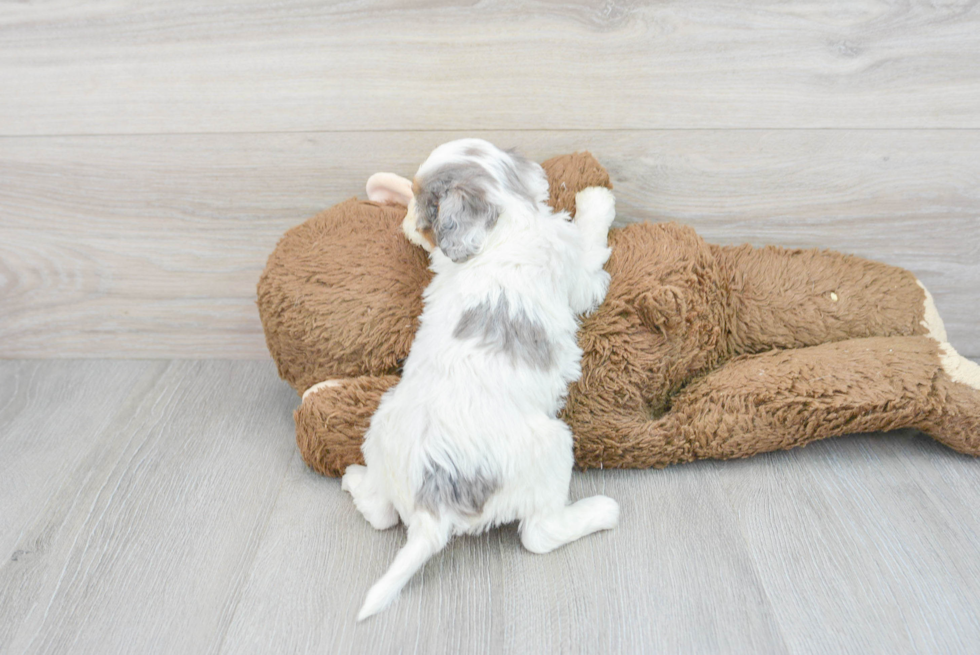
[321,385]
[931,320]
[959,368]
[410,228]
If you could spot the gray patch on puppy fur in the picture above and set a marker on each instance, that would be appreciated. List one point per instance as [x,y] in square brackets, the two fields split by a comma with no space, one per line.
[445,487]
[520,337]
[452,201]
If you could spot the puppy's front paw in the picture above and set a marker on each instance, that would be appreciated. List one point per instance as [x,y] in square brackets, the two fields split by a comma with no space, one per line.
[595,208]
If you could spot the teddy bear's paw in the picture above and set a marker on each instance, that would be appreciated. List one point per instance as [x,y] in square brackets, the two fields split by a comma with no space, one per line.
[959,368]
[319,386]
[930,319]
[595,209]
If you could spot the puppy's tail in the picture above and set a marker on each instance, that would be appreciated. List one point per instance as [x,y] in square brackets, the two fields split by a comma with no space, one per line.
[427,535]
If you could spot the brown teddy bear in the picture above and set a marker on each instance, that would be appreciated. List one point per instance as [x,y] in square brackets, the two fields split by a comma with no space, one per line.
[698,351]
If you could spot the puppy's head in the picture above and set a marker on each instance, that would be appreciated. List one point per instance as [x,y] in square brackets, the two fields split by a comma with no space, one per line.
[461,191]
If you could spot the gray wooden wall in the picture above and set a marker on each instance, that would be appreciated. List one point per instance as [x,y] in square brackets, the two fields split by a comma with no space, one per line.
[151,155]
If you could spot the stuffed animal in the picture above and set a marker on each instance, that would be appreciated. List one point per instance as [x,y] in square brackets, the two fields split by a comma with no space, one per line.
[698,351]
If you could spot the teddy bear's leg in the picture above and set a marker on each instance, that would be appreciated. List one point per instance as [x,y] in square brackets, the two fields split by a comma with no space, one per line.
[332,420]
[957,421]
[783,298]
[782,399]
[662,324]
[786,398]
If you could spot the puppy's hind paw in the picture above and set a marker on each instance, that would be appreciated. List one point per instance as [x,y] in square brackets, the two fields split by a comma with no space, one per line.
[603,512]
[372,505]
[352,479]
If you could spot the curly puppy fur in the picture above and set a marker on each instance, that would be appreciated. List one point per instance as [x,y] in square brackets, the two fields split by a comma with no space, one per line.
[470,437]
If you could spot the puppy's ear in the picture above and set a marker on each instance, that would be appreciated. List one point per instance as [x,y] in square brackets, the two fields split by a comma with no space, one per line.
[389,189]
[464,220]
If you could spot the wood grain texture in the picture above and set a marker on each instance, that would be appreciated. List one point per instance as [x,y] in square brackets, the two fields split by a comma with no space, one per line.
[151,154]
[177,517]
[55,428]
[603,594]
[151,246]
[140,539]
[870,527]
[116,66]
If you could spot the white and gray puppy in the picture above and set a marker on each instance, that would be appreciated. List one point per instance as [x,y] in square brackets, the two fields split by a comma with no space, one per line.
[469,438]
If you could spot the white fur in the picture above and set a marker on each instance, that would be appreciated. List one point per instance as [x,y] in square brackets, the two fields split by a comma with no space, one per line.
[486,411]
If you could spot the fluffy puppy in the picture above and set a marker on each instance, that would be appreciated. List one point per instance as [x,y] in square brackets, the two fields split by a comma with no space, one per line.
[469,438]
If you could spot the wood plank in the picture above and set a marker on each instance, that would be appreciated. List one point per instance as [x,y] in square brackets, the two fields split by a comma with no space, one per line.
[858,547]
[177,517]
[150,246]
[37,460]
[144,544]
[674,577]
[117,66]
[55,427]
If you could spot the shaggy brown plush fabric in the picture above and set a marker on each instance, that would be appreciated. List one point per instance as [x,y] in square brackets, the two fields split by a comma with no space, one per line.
[341,294]
[340,300]
[698,350]
[341,413]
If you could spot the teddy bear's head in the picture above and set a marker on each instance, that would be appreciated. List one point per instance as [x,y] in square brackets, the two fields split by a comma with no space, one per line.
[341,294]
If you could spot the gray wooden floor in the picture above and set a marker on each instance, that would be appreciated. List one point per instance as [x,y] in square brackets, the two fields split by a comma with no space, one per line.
[160,507]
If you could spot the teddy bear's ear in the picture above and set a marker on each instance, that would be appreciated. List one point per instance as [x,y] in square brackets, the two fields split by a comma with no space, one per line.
[389,189]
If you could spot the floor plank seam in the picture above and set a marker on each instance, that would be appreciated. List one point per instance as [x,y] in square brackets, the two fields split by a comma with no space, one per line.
[485,130]
[748,551]
[250,563]
[95,499]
